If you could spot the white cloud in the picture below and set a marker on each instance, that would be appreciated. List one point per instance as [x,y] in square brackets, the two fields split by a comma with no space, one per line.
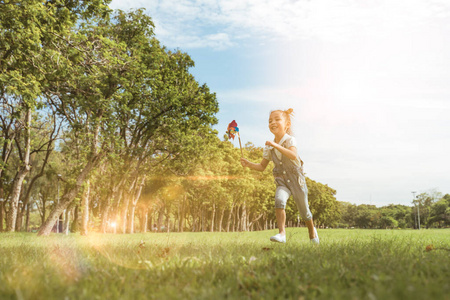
[285,19]
[218,41]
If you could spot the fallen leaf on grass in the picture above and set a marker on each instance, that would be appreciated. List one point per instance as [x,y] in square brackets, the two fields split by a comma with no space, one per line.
[164,252]
[141,246]
[432,247]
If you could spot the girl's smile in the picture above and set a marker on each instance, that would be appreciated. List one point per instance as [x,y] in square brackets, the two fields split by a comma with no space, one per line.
[277,124]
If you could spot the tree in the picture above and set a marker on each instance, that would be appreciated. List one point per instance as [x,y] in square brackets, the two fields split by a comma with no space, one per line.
[387,222]
[366,216]
[348,214]
[424,202]
[323,203]
[28,32]
[440,212]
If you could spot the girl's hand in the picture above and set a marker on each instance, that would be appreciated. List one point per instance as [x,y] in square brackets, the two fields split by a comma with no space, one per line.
[270,143]
[244,162]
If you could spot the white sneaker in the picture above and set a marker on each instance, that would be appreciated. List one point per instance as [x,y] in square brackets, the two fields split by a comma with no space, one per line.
[278,238]
[316,239]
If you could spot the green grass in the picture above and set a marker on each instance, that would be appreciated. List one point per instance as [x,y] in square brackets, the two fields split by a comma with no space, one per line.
[348,264]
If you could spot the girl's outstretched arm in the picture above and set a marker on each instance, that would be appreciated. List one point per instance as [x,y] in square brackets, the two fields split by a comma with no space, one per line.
[258,167]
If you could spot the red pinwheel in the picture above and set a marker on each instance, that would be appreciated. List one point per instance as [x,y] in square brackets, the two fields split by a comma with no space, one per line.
[233,130]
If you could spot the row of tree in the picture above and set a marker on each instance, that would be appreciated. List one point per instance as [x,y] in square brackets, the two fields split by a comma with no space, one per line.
[430,210]
[102,125]
[87,92]
[208,191]
[104,129]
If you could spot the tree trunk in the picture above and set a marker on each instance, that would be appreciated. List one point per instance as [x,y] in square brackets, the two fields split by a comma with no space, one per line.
[237,222]
[1,214]
[115,195]
[134,201]
[11,217]
[244,217]
[67,219]
[167,221]
[27,220]
[18,225]
[160,218]
[213,214]
[182,214]
[150,221]
[26,198]
[85,206]
[233,221]
[255,220]
[23,171]
[106,215]
[127,195]
[222,212]
[194,223]
[74,227]
[230,214]
[69,196]
[144,220]
[203,219]
[126,202]
[6,151]
[130,227]
[44,201]
[20,213]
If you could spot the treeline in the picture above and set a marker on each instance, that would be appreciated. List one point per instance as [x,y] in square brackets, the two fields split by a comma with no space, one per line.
[430,209]
[209,191]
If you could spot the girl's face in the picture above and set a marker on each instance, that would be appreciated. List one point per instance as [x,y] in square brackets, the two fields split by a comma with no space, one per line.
[277,123]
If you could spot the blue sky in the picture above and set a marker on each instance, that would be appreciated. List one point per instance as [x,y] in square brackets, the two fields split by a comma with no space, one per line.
[369,82]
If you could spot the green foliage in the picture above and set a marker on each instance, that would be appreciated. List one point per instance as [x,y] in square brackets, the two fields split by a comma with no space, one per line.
[440,212]
[323,203]
[433,213]
[118,93]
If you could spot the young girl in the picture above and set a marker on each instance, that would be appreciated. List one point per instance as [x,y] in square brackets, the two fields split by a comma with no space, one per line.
[288,173]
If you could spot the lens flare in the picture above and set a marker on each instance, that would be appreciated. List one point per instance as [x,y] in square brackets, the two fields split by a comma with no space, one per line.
[199,177]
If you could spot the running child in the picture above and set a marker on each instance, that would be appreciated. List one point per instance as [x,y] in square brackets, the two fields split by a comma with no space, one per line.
[288,173]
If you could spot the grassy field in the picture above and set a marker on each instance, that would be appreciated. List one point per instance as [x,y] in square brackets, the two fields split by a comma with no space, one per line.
[348,264]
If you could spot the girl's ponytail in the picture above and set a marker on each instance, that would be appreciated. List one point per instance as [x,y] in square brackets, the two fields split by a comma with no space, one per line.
[288,114]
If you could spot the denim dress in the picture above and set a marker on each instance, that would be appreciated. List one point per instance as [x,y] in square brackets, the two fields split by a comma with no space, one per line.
[290,180]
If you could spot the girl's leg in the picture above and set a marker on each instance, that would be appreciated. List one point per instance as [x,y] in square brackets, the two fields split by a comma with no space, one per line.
[310,225]
[282,194]
[301,199]
[281,220]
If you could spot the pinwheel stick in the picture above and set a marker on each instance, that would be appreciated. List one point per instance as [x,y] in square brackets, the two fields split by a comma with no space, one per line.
[232,130]
[240,145]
